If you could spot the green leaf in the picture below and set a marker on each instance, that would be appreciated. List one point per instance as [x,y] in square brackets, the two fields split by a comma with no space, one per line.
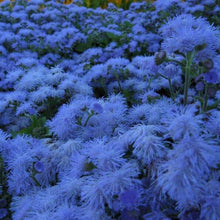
[129,95]
[36,129]
[89,166]
[112,36]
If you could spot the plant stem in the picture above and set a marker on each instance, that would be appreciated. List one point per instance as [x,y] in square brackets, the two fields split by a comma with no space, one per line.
[189,59]
[118,80]
[204,108]
[35,180]
[171,89]
[186,83]
[170,86]
[89,116]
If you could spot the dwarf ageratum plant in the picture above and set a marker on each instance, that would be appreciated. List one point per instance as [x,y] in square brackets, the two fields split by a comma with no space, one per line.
[194,54]
[107,113]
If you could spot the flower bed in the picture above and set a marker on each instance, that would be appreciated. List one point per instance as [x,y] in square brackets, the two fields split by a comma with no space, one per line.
[110,113]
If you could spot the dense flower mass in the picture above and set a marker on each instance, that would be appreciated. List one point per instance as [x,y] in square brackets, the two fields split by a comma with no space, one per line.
[107,113]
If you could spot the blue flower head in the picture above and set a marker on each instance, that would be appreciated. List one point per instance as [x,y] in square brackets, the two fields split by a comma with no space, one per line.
[89,117]
[3,213]
[188,167]
[183,122]
[212,77]
[185,33]
[99,191]
[28,161]
[129,198]
[39,167]
[148,147]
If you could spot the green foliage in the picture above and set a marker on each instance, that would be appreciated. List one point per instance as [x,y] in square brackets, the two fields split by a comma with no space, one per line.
[129,95]
[213,18]
[52,104]
[5,198]
[129,152]
[36,129]
[126,27]
[97,39]
[89,166]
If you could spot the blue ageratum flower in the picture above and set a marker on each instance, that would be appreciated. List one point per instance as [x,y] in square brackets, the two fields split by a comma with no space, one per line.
[182,122]
[106,156]
[165,5]
[37,205]
[112,73]
[10,79]
[102,189]
[39,167]
[49,59]
[34,87]
[82,117]
[64,124]
[143,67]
[183,176]
[155,215]
[67,157]
[185,33]
[69,189]
[139,114]
[4,144]
[154,112]
[28,161]
[3,213]
[147,143]
[153,41]
[92,55]
[210,208]
[99,70]
[20,206]
[212,74]
[66,211]
[191,9]
[88,214]
[129,198]
[27,107]
[213,124]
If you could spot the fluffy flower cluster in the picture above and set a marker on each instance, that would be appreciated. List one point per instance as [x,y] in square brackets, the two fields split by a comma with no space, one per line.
[181,34]
[109,113]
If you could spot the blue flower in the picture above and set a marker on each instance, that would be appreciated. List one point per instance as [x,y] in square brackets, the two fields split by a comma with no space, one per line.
[79,117]
[97,108]
[3,142]
[99,191]
[3,213]
[184,175]
[182,122]
[148,147]
[39,167]
[129,198]
[212,77]
[213,124]
[106,156]
[164,5]
[155,215]
[65,211]
[200,86]
[171,70]
[210,208]
[21,154]
[181,34]
[127,214]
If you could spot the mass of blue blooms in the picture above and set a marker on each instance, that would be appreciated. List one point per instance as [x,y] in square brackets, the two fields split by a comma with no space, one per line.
[110,113]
